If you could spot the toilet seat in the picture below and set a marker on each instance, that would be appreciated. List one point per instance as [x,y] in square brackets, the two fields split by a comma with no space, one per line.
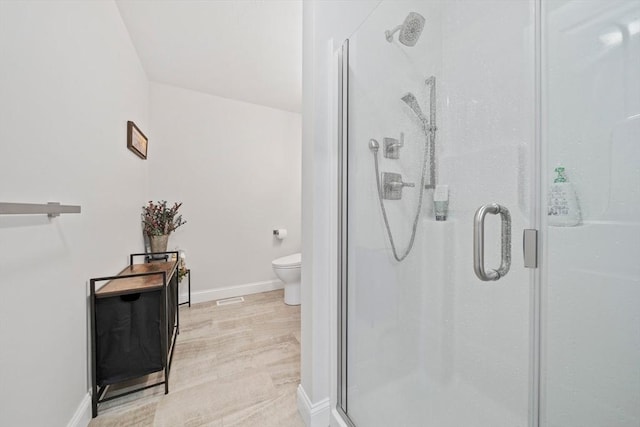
[289,261]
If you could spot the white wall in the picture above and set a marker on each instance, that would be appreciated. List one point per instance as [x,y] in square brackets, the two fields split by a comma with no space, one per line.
[325,25]
[236,168]
[69,81]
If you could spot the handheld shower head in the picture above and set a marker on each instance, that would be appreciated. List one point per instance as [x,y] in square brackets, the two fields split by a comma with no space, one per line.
[412,102]
[410,30]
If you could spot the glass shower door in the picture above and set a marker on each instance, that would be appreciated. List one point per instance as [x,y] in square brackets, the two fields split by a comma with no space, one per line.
[439,93]
[591,287]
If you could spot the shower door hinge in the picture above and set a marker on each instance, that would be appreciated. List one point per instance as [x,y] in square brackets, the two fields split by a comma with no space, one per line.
[530,247]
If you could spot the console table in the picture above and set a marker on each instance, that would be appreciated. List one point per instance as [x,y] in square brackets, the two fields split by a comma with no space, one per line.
[134,325]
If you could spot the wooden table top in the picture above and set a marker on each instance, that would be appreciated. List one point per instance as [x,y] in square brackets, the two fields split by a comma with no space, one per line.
[128,285]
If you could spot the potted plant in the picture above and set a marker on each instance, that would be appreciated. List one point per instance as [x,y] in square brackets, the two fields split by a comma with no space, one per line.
[159,221]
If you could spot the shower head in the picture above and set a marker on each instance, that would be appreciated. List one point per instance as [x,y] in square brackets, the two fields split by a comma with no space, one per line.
[410,30]
[373,145]
[412,102]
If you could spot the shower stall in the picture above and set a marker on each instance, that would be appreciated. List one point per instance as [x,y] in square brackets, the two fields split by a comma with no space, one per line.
[514,299]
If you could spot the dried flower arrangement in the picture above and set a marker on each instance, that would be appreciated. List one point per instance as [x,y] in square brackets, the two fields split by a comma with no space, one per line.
[160,220]
[182,269]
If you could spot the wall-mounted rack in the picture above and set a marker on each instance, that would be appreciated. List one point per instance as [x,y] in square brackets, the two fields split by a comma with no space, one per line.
[52,209]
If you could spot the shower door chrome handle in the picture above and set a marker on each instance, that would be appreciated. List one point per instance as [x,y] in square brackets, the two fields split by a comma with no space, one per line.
[478,242]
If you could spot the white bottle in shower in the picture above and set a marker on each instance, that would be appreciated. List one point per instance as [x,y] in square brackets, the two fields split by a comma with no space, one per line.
[441,202]
[562,202]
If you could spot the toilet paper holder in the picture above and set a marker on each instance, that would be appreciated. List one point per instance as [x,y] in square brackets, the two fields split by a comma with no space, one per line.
[280,233]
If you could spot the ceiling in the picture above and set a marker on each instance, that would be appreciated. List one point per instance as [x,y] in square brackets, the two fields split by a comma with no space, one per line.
[247,50]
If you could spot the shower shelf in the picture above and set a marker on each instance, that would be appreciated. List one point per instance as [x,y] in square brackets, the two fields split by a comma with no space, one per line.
[52,209]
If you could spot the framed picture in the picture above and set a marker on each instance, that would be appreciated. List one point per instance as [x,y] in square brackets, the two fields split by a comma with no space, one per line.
[136,141]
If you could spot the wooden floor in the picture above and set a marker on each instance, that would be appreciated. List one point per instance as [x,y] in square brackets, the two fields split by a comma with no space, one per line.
[234,365]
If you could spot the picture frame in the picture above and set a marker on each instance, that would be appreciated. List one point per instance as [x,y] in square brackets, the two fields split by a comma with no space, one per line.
[136,140]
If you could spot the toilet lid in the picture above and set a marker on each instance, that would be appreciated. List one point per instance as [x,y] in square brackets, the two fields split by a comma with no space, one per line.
[289,261]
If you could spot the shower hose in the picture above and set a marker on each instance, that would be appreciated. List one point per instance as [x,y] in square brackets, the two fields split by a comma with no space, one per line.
[400,258]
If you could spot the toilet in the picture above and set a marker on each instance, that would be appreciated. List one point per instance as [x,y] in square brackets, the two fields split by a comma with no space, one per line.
[287,269]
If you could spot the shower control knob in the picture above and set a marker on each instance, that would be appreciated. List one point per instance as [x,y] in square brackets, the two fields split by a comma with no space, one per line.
[392,185]
[392,146]
[400,184]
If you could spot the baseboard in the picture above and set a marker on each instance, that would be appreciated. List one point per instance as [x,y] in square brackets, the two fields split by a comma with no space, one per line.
[313,414]
[336,419]
[82,416]
[233,291]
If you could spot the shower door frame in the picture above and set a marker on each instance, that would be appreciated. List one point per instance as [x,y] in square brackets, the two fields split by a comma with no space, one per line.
[342,265]
[537,182]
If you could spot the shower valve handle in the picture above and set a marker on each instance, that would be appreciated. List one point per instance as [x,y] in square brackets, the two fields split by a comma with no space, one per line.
[392,185]
[400,184]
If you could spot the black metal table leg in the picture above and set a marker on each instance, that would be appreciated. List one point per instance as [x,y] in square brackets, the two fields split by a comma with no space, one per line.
[188,274]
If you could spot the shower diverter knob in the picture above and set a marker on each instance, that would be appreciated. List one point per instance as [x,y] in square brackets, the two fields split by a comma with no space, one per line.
[392,147]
